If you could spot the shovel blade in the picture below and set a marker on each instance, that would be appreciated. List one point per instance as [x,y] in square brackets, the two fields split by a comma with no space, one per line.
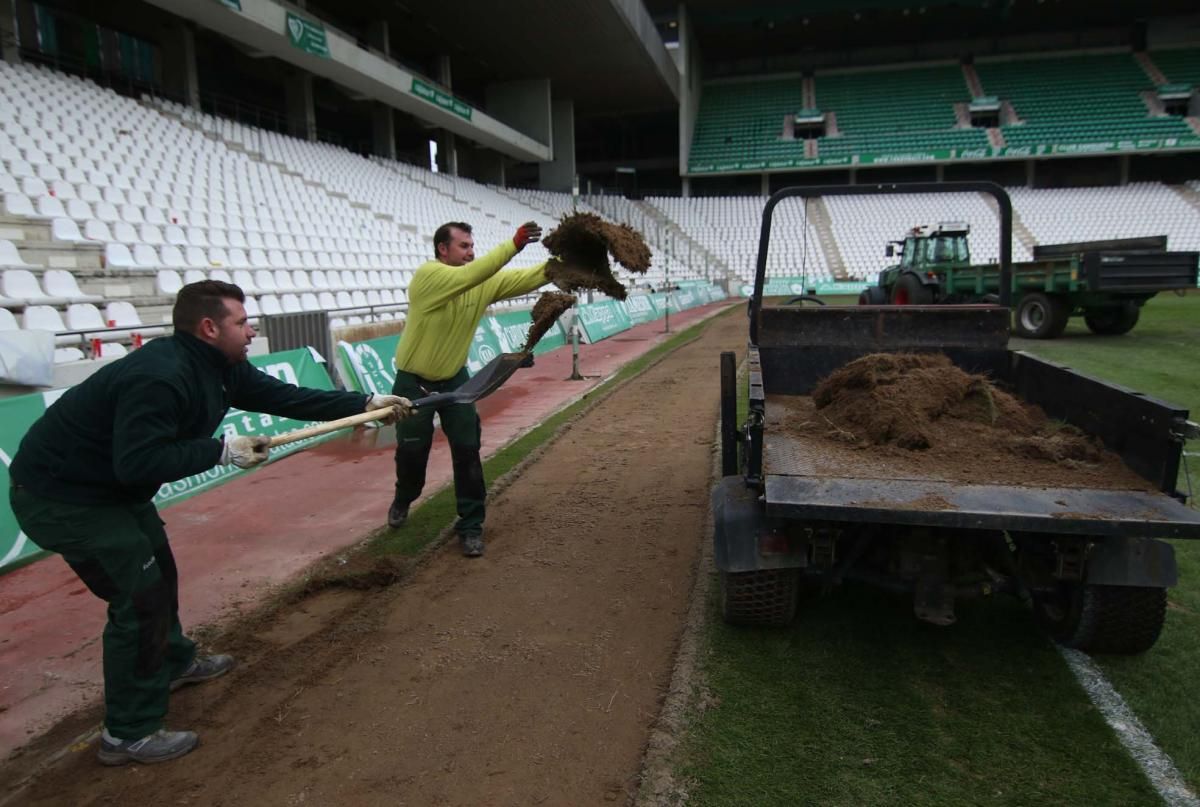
[491,376]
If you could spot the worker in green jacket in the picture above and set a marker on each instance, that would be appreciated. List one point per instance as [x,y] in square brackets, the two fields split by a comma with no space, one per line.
[447,298]
[85,473]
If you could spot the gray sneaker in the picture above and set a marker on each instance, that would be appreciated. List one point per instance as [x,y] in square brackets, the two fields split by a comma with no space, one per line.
[397,515]
[160,746]
[472,545]
[203,668]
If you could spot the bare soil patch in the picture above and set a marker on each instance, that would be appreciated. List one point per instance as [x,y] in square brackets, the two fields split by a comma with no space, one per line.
[580,246]
[530,676]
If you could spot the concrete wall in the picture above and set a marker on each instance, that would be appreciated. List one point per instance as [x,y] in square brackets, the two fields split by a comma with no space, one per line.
[559,173]
[689,86]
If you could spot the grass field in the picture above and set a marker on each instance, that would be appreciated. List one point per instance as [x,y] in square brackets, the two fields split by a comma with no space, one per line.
[859,703]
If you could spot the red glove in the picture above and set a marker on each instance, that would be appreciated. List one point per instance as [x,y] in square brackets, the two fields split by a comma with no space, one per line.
[528,232]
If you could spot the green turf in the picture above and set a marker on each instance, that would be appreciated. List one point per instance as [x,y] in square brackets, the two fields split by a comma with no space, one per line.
[1160,357]
[860,704]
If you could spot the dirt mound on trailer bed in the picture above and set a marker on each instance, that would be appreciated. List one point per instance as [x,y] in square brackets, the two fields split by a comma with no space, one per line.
[923,406]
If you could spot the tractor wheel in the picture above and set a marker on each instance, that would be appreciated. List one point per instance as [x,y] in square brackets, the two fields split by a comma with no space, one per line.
[1103,619]
[1041,316]
[873,295]
[909,290]
[763,597]
[1113,321]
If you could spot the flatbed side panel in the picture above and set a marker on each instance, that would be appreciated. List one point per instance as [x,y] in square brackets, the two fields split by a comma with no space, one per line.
[1150,243]
[1140,272]
[980,507]
[1135,426]
[799,346]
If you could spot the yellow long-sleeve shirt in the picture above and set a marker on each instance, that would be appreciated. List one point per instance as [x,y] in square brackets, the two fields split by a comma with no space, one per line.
[445,304]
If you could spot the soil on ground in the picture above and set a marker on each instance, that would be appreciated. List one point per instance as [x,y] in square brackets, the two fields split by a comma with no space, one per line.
[920,416]
[546,311]
[530,676]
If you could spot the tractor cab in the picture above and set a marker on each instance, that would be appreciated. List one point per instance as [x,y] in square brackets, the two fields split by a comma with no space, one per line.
[933,247]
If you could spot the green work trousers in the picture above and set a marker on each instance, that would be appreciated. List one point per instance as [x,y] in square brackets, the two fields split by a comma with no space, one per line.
[120,552]
[414,438]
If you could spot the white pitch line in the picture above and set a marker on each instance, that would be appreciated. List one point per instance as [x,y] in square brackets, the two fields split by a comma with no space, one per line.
[1154,762]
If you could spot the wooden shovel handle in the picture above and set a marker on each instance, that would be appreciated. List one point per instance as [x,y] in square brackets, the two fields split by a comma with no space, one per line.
[330,426]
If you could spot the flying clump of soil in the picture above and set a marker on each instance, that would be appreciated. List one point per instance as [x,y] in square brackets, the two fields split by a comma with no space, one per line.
[580,247]
[546,311]
[922,401]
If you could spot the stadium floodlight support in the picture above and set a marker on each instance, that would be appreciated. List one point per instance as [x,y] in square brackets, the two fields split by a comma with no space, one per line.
[1003,202]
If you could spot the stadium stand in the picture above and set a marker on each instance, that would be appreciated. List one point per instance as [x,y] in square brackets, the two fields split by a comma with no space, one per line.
[894,112]
[729,227]
[743,121]
[1180,66]
[1093,99]
[128,200]
[1059,215]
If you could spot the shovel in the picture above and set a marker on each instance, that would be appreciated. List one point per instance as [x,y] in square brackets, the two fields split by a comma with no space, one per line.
[489,379]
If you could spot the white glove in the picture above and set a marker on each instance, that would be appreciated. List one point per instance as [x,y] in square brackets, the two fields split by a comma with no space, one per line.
[245,452]
[401,407]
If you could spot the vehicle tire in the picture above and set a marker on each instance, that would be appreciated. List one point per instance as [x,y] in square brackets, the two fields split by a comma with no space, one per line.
[805,298]
[1113,321]
[873,295]
[1041,316]
[1103,619]
[763,597]
[909,290]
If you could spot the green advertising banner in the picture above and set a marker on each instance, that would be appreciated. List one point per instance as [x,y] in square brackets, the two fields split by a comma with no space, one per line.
[511,329]
[307,35]
[640,309]
[686,298]
[779,287]
[664,302]
[17,414]
[236,5]
[842,287]
[369,366]
[435,96]
[1141,144]
[602,320]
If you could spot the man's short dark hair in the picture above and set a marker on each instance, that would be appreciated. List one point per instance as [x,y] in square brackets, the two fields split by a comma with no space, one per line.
[442,234]
[196,301]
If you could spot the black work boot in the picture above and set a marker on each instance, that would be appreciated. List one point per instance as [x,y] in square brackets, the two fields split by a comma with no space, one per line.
[397,515]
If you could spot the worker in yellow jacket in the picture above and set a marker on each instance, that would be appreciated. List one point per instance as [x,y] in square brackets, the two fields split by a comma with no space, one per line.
[446,300]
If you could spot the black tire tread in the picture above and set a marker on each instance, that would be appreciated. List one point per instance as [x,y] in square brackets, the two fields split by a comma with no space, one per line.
[762,597]
[1114,619]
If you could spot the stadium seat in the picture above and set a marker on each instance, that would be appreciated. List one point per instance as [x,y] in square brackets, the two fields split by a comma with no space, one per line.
[60,283]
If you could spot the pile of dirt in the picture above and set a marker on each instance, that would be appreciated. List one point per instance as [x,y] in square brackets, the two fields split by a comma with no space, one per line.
[580,247]
[918,401]
[546,311]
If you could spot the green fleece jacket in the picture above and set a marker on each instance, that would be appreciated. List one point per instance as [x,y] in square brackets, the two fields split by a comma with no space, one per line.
[445,304]
[149,418]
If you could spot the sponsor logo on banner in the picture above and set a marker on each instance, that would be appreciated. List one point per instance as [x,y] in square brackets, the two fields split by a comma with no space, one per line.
[640,308]
[307,35]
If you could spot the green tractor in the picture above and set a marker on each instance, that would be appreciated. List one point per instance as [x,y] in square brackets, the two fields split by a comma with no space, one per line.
[1105,282]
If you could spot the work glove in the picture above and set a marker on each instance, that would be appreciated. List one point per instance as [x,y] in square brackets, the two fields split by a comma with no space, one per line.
[401,407]
[528,232]
[245,452]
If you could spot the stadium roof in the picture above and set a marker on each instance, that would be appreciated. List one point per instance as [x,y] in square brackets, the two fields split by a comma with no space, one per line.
[604,54]
[761,30]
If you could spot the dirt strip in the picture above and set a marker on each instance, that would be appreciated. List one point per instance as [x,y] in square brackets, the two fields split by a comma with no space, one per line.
[531,676]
